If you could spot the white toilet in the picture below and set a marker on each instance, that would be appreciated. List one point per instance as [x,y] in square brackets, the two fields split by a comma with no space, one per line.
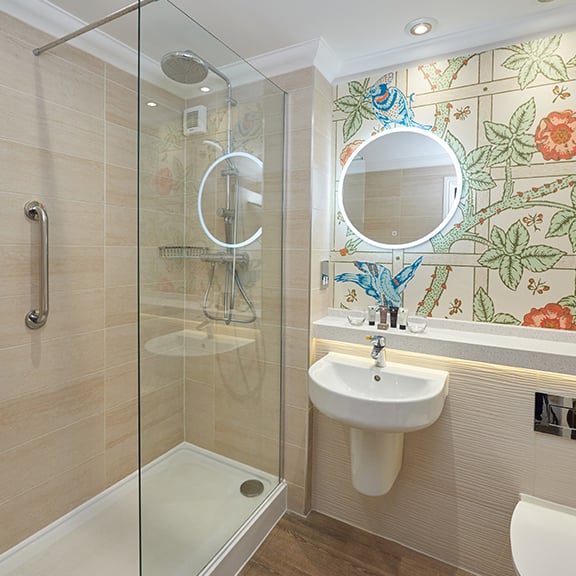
[543,538]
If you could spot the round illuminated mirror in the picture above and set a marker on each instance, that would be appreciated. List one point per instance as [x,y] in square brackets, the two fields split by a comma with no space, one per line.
[400,187]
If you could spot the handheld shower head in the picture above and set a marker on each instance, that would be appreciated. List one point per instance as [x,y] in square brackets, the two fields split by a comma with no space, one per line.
[184,67]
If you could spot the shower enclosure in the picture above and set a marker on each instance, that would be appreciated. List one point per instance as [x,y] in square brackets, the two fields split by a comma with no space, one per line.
[140,302]
[211,160]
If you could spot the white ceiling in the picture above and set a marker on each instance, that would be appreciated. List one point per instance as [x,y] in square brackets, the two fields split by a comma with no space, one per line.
[354,37]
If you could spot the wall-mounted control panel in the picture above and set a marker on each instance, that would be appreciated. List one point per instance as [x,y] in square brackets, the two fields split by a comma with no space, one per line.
[555,415]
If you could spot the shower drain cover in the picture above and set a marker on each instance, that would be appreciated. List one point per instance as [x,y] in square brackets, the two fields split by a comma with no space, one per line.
[251,488]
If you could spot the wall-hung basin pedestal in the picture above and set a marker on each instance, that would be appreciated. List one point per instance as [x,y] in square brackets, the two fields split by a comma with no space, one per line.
[380,404]
[376,460]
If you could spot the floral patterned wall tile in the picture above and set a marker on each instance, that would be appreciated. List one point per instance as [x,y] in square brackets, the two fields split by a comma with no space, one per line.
[509,114]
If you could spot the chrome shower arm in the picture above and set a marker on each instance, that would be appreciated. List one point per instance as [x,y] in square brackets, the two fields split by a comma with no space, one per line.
[88,27]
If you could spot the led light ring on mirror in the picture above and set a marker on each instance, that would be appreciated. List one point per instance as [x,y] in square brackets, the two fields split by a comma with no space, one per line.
[223,158]
[444,221]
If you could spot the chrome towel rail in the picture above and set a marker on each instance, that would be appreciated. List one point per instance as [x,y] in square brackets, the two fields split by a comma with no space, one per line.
[36,318]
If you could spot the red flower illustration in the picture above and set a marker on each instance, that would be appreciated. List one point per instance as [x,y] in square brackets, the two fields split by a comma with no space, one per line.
[348,150]
[551,316]
[556,135]
[164,181]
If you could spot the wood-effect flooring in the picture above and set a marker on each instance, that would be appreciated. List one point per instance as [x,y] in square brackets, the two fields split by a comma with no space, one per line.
[321,546]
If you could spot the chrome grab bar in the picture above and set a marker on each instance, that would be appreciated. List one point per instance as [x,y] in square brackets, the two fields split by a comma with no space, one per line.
[37,318]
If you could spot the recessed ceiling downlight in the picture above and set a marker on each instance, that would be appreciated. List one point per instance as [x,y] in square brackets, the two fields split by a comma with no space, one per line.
[420,26]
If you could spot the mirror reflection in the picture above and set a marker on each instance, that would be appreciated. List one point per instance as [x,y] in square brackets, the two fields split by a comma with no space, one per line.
[400,187]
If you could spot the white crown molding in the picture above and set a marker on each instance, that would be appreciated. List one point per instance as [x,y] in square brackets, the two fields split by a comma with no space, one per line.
[558,20]
[45,16]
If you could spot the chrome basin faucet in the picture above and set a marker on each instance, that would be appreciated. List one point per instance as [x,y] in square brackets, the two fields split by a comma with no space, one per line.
[378,350]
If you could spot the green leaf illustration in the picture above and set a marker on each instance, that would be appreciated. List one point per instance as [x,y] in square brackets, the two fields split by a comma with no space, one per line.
[356,88]
[553,67]
[511,271]
[569,302]
[517,60]
[478,158]
[560,223]
[352,124]
[480,180]
[523,117]
[483,306]
[498,237]
[572,61]
[497,134]
[540,258]
[366,110]
[572,235]
[499,154]
[528,73]
[503,318]
[346,104]
[537,57]
[456,146]
[517,238]
[573,196]
[547,45]
[491,258]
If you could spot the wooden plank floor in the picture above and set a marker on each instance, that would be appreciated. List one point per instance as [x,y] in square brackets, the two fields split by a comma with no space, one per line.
[322,546]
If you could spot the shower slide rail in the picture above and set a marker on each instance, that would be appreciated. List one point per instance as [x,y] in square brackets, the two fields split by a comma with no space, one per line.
[37,318]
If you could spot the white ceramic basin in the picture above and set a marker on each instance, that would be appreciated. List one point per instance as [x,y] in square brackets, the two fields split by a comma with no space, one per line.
[396,398]
[194,343]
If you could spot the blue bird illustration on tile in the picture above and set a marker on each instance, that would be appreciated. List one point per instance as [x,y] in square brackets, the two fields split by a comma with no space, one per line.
[391,106]
[377,281]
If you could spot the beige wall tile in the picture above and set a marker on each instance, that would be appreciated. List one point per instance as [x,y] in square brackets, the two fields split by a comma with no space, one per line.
[248,447]
[121,266]
[57,80]
[295,465]
[121,146]
[121,344]
[160,437]
[121,441]
[29,120]
[70,313]
[50,500]
[29,368]
[296,426]
[121,105]
[296,387]
[121,226]
[121,384]
[199,414]
[38,173]
[44,410]
[121,305]
[121,186]
[32,464]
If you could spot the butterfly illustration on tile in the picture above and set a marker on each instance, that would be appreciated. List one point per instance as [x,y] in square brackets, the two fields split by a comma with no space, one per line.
[391,106]
[377,280]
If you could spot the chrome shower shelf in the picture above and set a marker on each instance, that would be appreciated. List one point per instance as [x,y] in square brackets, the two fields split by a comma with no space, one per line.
[202,253]
[182,251]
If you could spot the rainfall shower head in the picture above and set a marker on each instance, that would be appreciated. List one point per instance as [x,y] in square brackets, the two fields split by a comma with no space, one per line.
[184,67]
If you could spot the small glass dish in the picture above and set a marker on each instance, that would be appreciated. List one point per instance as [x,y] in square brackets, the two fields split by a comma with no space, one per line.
[356,317]
[416,324]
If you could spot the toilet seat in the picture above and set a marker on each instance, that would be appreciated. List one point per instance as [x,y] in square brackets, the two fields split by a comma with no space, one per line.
[543,537]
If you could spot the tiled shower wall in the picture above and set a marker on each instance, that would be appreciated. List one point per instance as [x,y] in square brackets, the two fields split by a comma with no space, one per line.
[306,243]
[68,392]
